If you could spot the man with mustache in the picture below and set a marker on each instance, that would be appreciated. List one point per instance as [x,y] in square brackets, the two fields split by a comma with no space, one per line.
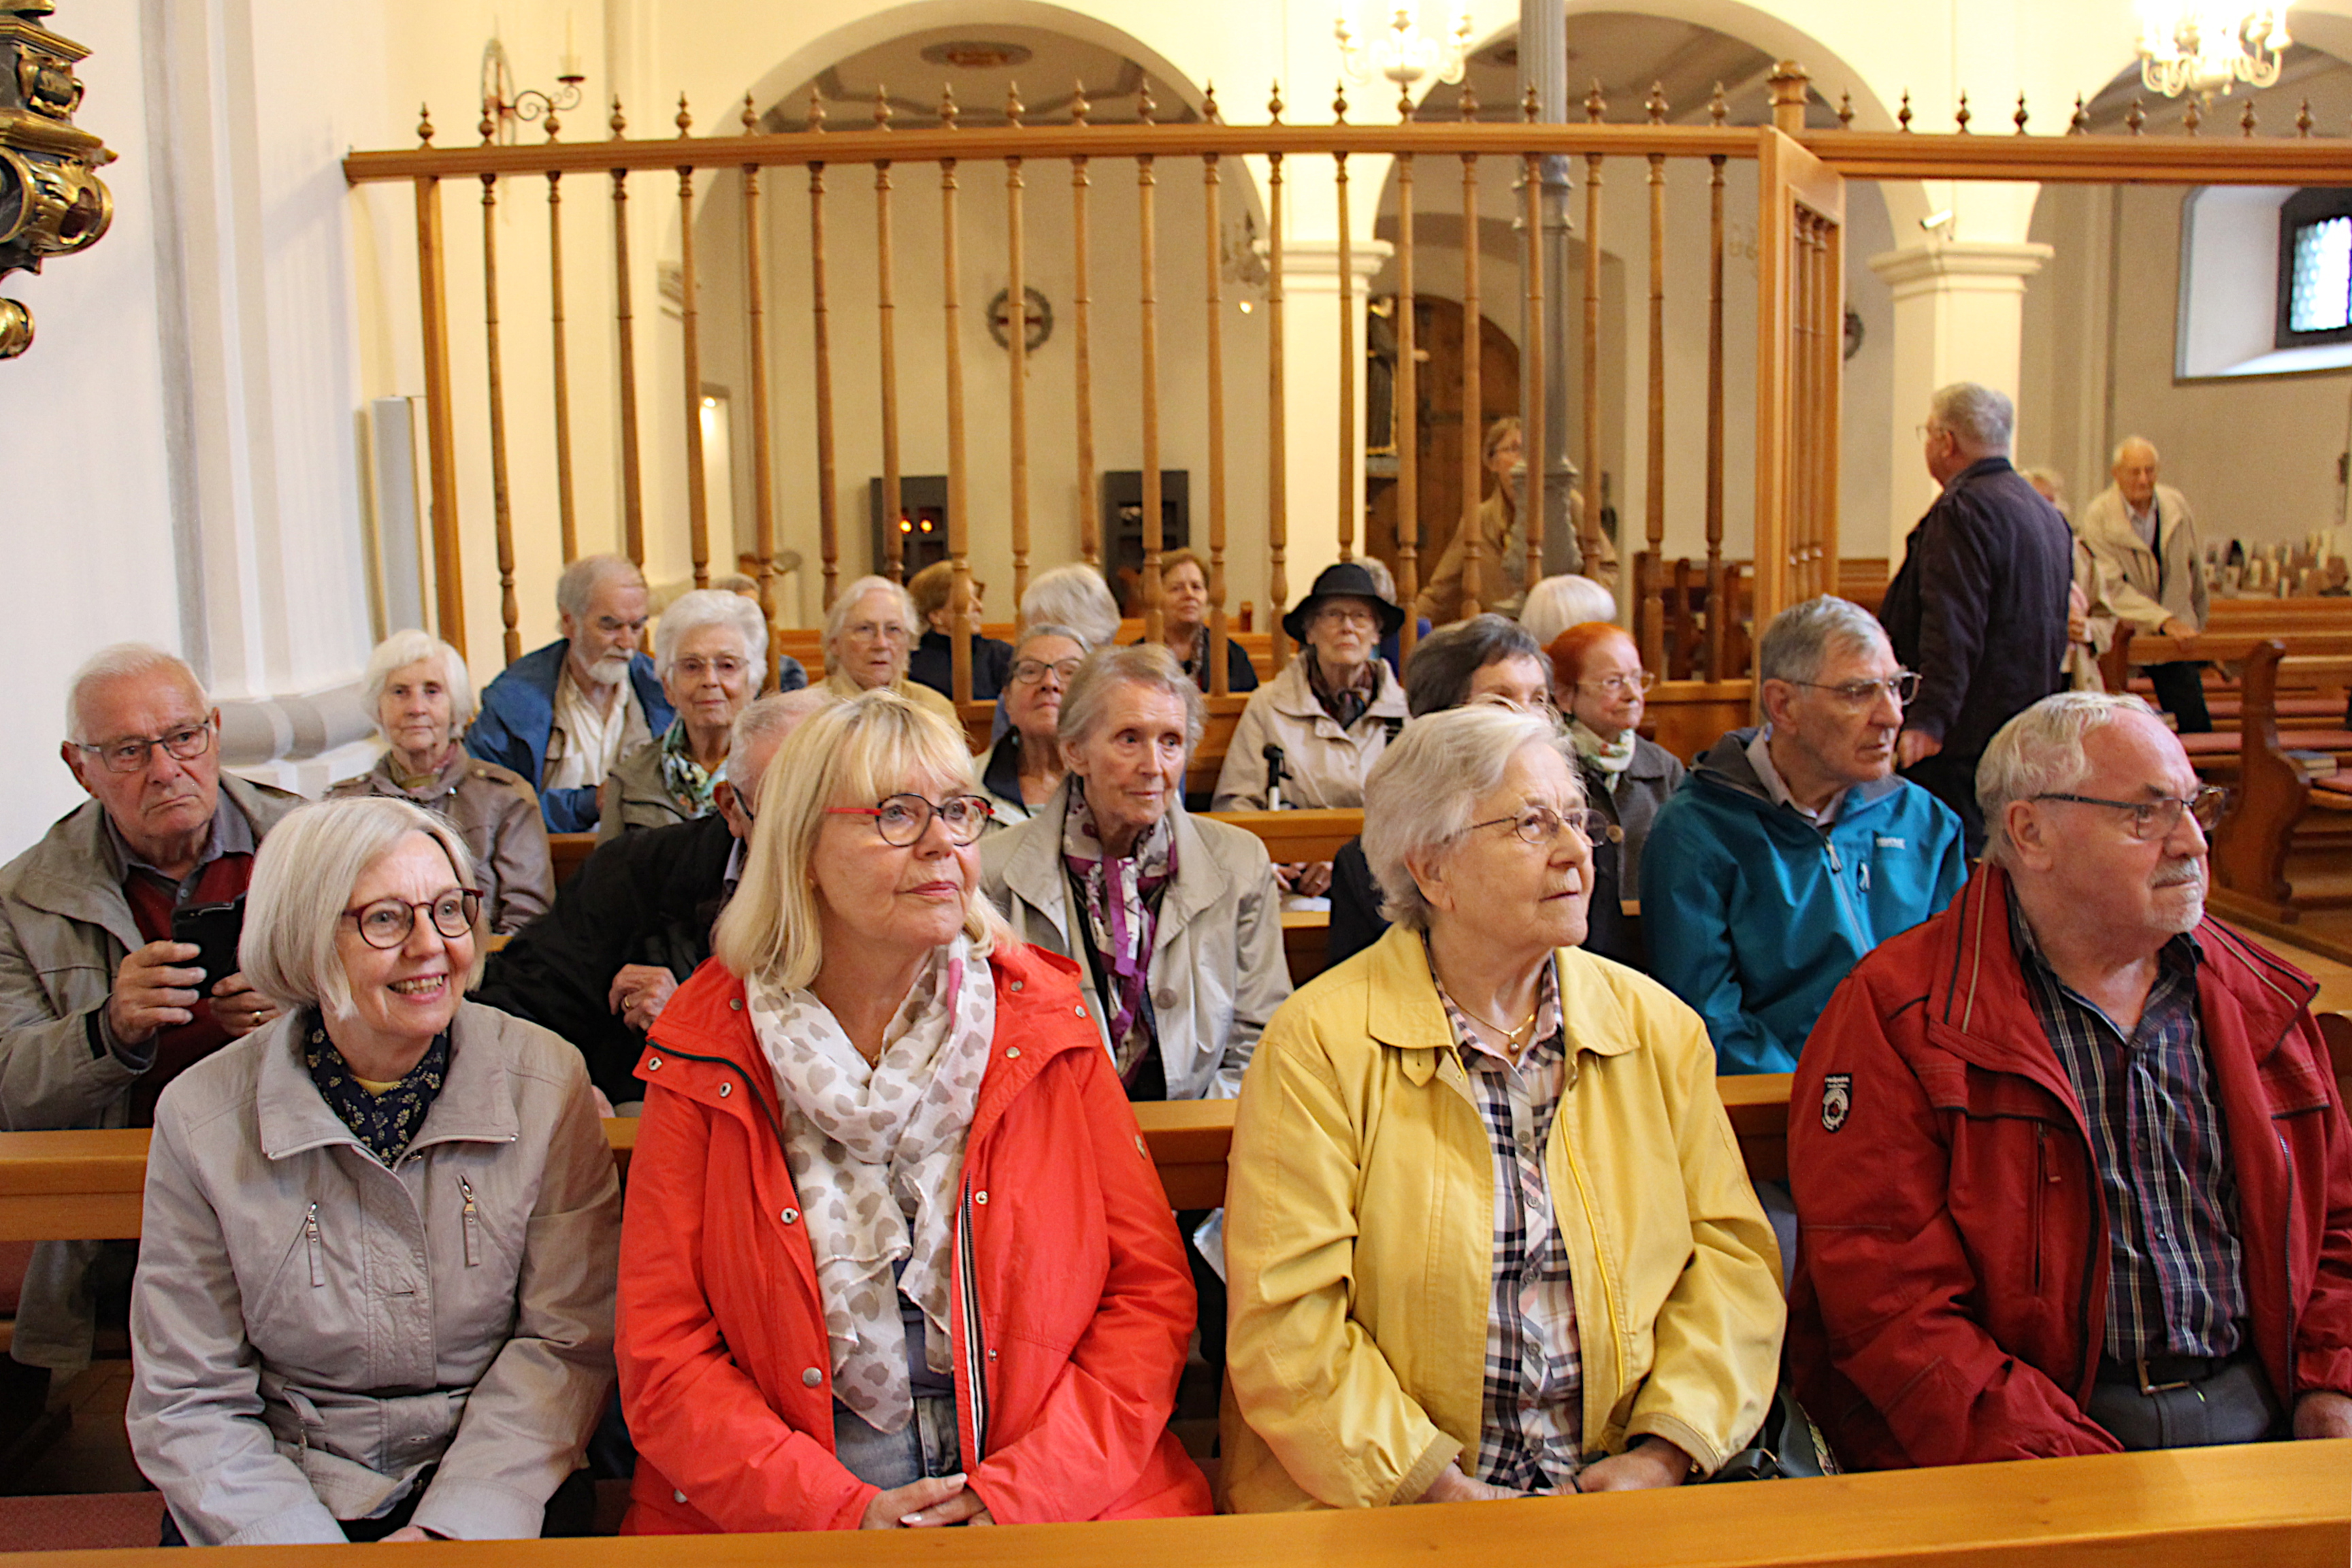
[1791,849]
[564,715]
[99,1008]
[2070,1171]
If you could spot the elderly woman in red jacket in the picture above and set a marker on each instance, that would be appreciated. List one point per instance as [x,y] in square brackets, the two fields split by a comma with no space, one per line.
[893,1255]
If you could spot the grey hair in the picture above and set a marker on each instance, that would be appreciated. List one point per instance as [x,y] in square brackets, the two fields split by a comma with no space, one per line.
[1087,704]
[1981,418]
[1041,630]
[836,620]
[1438,675]
[712,608]
[116,661]
[1558,602]
[585,576]
[1802,637]
[1383,578]
[2040,752]
[1075,596]
[402,649]
[302,882]
[2127,443]
[1419,795]
[764,721]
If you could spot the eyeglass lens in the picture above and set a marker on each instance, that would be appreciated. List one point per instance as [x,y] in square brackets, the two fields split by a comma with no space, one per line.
[388,921]
[903,819]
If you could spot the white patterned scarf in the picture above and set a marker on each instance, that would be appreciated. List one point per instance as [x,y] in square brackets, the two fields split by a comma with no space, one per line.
[1612,757]
[876,1154]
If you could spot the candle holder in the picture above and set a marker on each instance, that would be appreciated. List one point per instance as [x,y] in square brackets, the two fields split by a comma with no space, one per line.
[52,201]
[505,110]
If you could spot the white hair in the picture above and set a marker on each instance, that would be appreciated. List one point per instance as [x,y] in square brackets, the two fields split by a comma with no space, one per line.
[2040,752]
[1419,795]
[712,608]
[1558,602]
[1039,631]
[1074,596]
[836,620]
[1801,638]
[302,882]
[402,649]
[1981,418]
[763,724]
[585,576]
[2128,443]
[118,661]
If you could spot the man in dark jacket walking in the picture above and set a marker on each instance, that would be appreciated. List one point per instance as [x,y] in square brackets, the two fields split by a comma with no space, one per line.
[1980,607]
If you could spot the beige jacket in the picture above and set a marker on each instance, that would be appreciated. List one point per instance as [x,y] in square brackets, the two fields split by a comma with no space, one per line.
[1359,1221]
[496,812]
[914,691]
[1325,765]
[310,1330]
[1217,967]
[633,796]
[1503,568]
[2128,567]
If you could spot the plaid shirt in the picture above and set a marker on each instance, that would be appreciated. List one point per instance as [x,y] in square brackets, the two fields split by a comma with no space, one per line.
[2176,1280]
[1530,1432]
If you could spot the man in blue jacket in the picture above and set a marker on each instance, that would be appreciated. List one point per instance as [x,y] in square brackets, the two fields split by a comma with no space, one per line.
[1792,850]
[562,715]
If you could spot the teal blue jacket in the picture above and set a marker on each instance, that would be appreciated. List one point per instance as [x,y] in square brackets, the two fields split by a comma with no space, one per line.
[1752,915]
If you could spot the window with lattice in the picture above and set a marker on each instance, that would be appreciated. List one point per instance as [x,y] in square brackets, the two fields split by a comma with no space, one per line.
[2315,276]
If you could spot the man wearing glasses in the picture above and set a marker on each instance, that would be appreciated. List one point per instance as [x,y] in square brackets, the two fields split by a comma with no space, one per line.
[1790,850]
[99,1007]
[1978,607]
[564,715]
[2070,1170]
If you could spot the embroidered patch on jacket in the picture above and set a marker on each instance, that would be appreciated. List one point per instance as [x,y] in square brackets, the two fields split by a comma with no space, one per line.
[1837,1100]
[1886,843]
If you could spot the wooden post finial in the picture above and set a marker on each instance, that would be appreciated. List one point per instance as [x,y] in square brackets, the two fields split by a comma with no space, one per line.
[949,112]
[1656,103]
[1340,103]
[1080,105]
[1014,108]
[1274,106]
[1903,115]
[2246,120]
[2135,117]
[1716,107]
[489,125]
[2081,123]
[1530,104]
[2193,117]
[1788,83]
[1209,111]
[1845,110]
[425,121]
[685,118]
[1595,106]
[2303,120]
[1961,115]
[751,117]
[619,122]
[1467,100]
[2019,115]
[1147,108]
[881,107]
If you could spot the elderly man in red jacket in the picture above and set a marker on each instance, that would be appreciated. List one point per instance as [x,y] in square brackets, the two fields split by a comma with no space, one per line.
[2070,1172]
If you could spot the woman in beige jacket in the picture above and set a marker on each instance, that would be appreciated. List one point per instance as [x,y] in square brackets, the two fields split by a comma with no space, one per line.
[377,1263]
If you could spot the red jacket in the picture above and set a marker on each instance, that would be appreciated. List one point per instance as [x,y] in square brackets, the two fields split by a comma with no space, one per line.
[1950,1291]
[1073,1301]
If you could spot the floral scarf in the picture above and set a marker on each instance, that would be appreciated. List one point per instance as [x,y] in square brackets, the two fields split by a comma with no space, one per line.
[1347,704]
[1612,758]
[876,1151]
[688,782]
[1121,898]
[387,1122]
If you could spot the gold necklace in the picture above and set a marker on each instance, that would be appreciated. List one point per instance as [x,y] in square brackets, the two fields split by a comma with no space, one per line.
[1510,1035]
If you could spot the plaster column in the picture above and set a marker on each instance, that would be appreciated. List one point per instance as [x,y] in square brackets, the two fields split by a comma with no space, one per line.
[1310,449]
[1959,316]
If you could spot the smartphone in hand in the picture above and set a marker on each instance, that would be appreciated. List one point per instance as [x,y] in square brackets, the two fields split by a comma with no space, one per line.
[214,929]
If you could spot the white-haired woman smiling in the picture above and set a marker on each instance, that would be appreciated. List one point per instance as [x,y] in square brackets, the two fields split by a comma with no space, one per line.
[869,635]
[894,1255]
[422,699]
[1475,1122]
[375,1290]
[710,652]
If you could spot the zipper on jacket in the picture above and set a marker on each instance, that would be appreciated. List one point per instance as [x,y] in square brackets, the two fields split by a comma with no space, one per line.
[310,1241]
[1846,898]
[2041,1183]
[472,1223]
[2286,1260]
[975,1407]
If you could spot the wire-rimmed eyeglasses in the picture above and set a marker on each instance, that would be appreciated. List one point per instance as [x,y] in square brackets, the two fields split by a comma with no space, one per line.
[129,753]
[1540,824]
[1902,686]
[2155,819]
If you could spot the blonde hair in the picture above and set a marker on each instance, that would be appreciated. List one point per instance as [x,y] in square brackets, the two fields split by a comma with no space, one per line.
[854,753]
[302,882]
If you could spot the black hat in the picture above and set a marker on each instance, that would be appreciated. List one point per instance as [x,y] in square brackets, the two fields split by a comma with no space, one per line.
[1345,581]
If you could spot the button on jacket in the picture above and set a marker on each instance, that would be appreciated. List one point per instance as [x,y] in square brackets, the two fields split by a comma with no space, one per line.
[1071,1309]
[1217,968]
[311,1329]
[1949,1300]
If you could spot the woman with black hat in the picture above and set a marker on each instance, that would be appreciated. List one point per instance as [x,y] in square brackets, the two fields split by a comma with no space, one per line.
[1330,713]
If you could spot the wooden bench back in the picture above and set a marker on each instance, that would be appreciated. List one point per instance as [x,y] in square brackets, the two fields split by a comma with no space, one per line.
[567,851]
[1293,835]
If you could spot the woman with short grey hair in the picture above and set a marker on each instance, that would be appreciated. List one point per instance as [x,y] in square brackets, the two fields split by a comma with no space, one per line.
[710,653]
[384,1140]
[1367,1217]
[1558,602]
[869,635]
[423,698]
[1074,596]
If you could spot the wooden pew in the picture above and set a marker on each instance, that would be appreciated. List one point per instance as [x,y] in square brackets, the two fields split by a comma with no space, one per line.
[2276,809]
[57,1186]
[566,852]
[1293,835]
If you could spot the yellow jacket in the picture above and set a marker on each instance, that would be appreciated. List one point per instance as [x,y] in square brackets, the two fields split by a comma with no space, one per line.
[1359,1237]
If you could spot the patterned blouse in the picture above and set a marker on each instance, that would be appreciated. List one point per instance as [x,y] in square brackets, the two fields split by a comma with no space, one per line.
[385,1122]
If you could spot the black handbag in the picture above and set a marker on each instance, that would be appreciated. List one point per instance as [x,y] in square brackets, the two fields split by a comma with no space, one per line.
[1786,1447]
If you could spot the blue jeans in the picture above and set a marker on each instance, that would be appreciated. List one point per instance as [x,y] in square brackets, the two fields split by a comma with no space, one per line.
[925,1445]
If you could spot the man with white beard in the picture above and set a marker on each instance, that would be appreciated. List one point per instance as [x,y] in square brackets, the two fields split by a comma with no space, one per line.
[561,716]
[2070,1172]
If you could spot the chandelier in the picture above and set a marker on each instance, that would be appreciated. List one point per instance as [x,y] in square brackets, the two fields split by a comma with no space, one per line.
[2196,46]
[1403,54]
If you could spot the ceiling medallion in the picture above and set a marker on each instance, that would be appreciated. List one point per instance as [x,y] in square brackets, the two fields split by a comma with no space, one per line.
[977,54]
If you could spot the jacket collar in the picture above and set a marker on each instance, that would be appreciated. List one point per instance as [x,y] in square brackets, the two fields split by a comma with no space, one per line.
[475,1105]
[1402,1010]
[1290,695]
[1724,766]
[1034,869]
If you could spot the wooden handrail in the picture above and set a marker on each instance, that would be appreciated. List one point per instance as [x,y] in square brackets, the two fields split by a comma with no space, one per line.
[59,1186]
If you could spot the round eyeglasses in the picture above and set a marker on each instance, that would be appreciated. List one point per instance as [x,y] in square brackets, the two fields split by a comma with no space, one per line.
[903,819]
[387,923]
[1540,824]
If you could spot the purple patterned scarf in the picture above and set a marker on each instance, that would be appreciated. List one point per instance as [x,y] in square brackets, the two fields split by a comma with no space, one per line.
[1122,909]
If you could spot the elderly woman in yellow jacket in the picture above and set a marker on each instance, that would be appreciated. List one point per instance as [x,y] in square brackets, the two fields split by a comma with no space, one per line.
[1487,1230]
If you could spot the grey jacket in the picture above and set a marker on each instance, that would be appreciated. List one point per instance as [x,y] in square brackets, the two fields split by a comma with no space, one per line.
[496,812]
[311,1329]
[1325,764]
[1217,967]
[633,796]
[65,929]
[1640,790]
[2128,567]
